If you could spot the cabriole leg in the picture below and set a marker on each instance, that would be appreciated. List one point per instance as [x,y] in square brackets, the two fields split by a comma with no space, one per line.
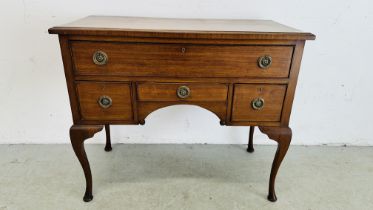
[250,146]
[108,140]
[282,135]
[78,134]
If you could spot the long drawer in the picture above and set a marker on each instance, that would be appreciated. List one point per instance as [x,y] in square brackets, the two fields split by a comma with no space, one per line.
[180,60]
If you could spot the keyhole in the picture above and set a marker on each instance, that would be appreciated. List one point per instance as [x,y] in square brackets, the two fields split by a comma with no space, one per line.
[183,50]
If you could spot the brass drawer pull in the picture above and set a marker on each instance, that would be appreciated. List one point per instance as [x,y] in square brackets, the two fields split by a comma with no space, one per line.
[183,92]
[100,58]
[105,102]
[257,103]
[265,61]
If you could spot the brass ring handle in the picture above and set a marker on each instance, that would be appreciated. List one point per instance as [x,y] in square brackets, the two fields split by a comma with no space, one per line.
[257,103]
[183,92]
[265,61]
[100,58]
[105,102]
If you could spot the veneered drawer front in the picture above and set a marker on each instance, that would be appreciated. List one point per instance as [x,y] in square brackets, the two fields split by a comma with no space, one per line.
[180,60]
[258,102]
[187,92]
[115,101]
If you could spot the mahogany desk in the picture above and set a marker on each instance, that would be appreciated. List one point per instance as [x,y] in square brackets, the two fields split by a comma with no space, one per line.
[120,69]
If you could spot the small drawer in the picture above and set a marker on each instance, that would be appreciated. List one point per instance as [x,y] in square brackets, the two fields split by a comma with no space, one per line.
[261,103]
[104,101]
[181,92]
[180,60]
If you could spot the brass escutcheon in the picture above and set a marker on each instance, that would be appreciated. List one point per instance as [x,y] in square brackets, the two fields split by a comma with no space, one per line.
[105,102]
[183,92]
[100,58]
[264,61]
[257,103]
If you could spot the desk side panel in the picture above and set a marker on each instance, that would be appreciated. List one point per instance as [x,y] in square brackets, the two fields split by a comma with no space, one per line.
[69,75]
[293,79]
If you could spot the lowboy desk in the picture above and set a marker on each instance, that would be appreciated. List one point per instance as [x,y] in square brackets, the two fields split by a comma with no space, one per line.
[120,69]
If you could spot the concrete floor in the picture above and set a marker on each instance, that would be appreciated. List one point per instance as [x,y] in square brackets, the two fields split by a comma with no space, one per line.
[185,177]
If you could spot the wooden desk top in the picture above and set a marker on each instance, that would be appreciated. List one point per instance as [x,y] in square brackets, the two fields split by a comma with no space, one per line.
[184,28]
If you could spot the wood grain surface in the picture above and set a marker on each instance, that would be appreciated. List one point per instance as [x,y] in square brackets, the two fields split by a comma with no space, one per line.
[180,60]
[90,92]
[167,92]
[181,28]
[244,94]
